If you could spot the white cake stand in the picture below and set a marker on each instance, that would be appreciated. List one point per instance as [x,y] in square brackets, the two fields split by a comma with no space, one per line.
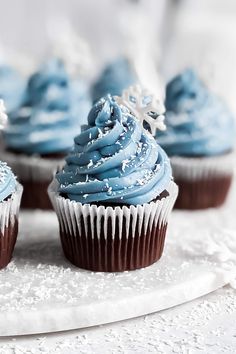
[41,292]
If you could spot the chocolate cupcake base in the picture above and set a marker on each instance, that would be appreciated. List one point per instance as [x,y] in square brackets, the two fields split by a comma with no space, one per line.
[202,194]
[113,239]
[35,195]
[7,243]
[204,182]
[35,174]
[113,254]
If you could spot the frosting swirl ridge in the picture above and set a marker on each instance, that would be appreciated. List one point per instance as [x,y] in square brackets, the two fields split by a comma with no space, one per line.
[114,160]
[57,106]
[198,122]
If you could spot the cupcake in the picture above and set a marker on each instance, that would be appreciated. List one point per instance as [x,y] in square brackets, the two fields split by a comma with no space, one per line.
[117,76]
[200,139]
[114,196]
[10,197]
[41,132]
[12,88]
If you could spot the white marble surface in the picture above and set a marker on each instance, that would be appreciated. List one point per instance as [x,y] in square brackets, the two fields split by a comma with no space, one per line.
[40,292]
[204,326]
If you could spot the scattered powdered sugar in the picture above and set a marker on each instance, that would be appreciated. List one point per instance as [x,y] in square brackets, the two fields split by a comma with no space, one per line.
[39,278]
[217,244]
[4,171]
[90,164]
[101,134]
[47,278]
[125,163]
[148,175]
[139,147]
[109,191]
[188,329]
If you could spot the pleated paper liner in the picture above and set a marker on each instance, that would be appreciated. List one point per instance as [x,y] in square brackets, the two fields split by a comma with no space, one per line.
[9,212]
[7,243]
[35,174]
[203,182]
[113,239]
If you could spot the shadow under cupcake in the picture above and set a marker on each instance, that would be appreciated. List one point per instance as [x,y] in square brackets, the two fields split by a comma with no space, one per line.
[115,194]
[200,140]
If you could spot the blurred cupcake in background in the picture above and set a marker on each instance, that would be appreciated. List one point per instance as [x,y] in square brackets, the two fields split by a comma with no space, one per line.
[41,131]
[200,138]
[116,76]
[10,197]
[12,88]
[115,194]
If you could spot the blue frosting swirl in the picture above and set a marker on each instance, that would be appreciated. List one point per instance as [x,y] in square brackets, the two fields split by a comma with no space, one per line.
[56,107]
[116,77]
[114,160]
[12,88]
[198,122]
[7,181]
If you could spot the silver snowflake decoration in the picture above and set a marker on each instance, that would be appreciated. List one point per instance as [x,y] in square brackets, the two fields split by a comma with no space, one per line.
[144,106]
[3,116]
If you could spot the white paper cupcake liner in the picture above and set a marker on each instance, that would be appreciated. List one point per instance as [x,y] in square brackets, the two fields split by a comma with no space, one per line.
[9,209]
[112,238]
[193,169]
[32,168]
[150,214]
